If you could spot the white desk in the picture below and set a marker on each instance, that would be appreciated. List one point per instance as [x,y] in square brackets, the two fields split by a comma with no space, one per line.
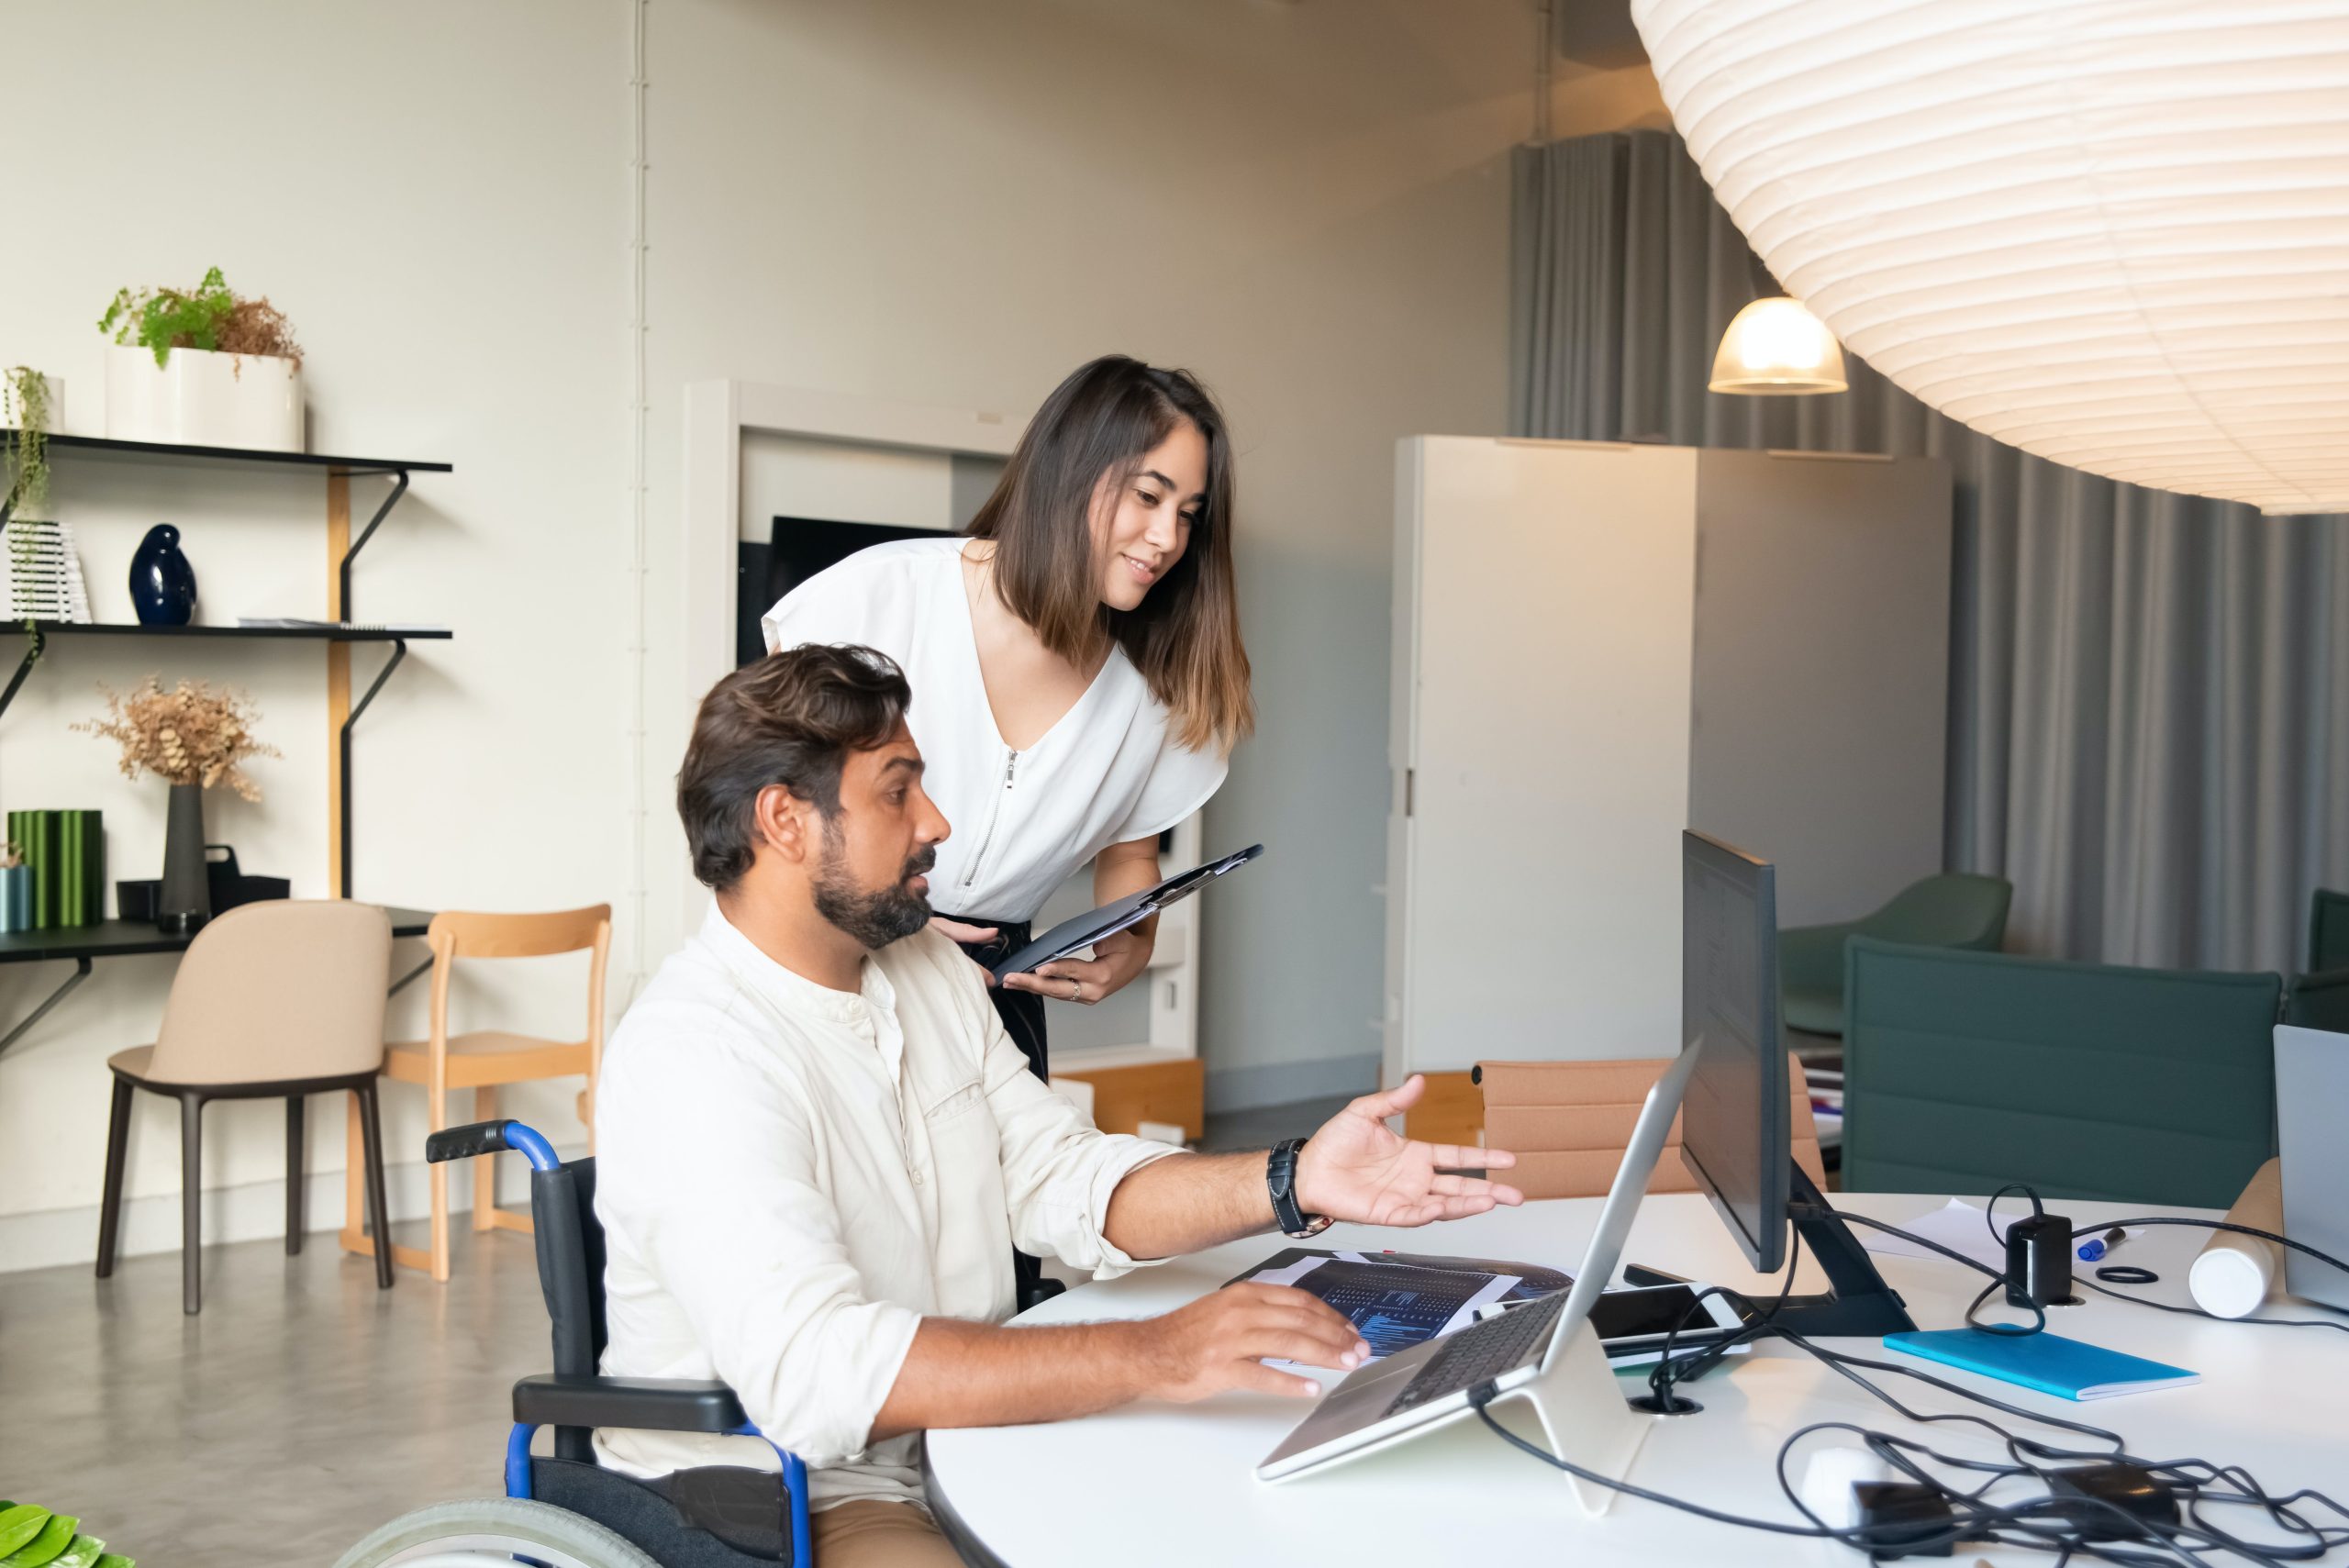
[1166,1484]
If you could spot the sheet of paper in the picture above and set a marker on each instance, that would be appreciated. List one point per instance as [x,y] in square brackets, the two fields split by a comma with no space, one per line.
[1291,1274]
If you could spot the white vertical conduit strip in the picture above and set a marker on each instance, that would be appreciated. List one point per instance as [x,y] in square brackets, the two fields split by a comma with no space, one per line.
[639,415]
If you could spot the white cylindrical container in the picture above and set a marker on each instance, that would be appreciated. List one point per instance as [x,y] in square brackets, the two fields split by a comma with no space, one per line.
[2234,1273]
[201,399]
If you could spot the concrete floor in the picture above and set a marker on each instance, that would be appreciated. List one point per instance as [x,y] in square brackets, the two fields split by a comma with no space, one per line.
[303,1408]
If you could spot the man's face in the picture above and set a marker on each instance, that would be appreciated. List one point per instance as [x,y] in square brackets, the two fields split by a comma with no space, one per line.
[869,880]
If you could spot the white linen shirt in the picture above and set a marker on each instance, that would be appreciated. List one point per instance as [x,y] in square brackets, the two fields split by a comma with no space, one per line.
[1106,773]
[790,1178]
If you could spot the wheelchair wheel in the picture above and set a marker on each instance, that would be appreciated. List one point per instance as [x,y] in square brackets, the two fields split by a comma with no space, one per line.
[493,1532]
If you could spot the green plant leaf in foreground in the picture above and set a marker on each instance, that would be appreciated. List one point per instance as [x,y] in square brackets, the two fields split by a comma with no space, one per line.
[112,1560]
[55,1535]
[19,1524]
[83,1553]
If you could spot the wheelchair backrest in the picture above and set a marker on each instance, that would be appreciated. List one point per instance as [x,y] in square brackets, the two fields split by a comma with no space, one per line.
[571,1262]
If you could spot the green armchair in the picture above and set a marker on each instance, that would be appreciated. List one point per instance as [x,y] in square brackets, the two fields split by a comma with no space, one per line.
[1952,910]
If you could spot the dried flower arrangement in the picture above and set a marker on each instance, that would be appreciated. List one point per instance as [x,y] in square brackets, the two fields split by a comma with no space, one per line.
[210,316]
[190,735]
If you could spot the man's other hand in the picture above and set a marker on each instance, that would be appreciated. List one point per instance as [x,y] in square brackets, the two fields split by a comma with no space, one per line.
[1222,1341]
[1356,1168]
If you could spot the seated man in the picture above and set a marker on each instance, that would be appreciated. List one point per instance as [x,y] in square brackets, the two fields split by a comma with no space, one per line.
[817,1148]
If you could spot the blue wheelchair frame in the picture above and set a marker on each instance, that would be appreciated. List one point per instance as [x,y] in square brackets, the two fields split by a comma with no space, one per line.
[487,1138]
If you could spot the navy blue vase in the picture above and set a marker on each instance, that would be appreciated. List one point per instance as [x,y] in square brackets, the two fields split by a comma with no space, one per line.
[162,585]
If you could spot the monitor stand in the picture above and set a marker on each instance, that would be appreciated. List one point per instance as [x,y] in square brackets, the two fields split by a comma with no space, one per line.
[1856,1303]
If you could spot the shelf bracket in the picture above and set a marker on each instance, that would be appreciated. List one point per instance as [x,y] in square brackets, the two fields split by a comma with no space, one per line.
[399,488]
[80,973]
[399,652]
[34,643]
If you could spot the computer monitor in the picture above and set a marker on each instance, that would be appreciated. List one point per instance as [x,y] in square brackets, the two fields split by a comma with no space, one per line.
[1734,1122]
[1736,1136]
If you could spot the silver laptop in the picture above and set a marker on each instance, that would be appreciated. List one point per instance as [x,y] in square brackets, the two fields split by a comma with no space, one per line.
[2311,1105]
[1545,1353]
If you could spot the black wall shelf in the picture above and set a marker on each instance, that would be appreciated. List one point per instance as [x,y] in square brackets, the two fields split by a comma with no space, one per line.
[333,469]
[101,445]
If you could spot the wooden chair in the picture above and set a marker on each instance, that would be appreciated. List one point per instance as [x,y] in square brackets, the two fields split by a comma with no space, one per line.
[1568,1123]
[484,1060]
[274,1000]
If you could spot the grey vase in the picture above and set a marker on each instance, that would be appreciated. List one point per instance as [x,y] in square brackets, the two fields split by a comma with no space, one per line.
[185,903]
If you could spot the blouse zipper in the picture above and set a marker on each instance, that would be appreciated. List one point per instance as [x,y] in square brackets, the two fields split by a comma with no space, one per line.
[971,876]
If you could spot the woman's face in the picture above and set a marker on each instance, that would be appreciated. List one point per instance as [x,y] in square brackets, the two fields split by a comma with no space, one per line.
[1139,533]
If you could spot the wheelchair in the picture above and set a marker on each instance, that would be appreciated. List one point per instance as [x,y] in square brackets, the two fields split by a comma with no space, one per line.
[566,1511]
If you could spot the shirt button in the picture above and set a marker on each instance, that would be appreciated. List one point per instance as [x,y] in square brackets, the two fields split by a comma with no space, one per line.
[916,1175]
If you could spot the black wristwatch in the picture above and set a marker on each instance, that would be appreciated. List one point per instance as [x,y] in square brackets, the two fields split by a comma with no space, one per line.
[1280,1179]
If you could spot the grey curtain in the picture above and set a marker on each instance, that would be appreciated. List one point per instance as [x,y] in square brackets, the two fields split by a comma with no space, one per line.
[2149,705]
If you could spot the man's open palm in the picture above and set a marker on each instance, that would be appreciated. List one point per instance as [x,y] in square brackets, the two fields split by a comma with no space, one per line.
[1355,1168]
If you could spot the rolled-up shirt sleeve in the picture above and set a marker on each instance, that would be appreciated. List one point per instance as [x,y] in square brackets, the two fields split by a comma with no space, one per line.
[711,1179]
[1058,1169]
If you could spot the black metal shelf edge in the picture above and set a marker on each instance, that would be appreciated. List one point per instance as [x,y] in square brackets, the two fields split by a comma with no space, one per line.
[314,634]
[103,444]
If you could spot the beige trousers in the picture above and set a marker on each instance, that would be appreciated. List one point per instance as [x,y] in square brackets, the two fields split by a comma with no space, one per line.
[879,1535]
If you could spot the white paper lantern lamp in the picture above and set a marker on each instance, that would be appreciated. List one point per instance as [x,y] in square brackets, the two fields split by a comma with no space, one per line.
[2114,233]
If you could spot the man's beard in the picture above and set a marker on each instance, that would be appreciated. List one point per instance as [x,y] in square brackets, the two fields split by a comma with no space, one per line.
[874,916]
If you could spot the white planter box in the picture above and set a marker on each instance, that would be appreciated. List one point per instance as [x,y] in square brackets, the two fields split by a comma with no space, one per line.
[203,399]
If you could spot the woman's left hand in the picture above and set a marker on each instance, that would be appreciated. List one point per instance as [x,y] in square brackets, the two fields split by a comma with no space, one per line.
[1115,961]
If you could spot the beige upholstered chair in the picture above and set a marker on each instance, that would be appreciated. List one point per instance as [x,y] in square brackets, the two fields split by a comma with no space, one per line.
[485,1059]
[1568,1123]
[276,999]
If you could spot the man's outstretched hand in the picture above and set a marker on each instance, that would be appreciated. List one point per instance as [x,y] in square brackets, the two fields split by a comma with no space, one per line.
[1356,1169]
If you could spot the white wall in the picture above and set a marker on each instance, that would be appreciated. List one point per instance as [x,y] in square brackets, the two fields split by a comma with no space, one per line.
[927,200]
[434,193]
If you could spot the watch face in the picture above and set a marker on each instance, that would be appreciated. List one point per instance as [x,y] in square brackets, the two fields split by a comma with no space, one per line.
[1313,1227]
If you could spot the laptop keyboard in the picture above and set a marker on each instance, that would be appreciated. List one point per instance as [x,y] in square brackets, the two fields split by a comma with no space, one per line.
[1485,1350]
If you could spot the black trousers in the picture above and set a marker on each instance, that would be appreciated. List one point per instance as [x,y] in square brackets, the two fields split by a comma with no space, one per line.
[1022,1013]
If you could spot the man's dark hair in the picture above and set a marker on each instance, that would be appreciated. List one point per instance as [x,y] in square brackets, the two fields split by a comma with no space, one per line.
[791,718]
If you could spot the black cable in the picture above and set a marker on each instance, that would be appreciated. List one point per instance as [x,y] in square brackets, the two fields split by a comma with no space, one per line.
[2050,1523]
[1998,1278]
[2212,1225]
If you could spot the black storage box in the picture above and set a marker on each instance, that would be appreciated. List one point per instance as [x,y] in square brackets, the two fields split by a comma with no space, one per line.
[223,880]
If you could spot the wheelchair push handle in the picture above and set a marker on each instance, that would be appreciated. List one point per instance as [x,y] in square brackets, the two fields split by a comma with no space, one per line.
[491,1138]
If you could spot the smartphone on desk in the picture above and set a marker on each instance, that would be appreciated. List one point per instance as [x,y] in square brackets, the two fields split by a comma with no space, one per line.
[1639,1319]
[1636,1318]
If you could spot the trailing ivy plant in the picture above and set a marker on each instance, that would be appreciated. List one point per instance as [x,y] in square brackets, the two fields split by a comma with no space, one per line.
[210,317]
[24,464]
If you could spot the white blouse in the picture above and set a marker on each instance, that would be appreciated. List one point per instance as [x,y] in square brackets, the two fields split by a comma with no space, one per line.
[1108,772]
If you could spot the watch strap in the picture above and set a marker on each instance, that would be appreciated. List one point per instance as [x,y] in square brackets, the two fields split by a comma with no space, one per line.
[1280,1181]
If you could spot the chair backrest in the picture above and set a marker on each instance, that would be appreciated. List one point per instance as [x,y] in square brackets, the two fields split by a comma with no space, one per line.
[1955,909]
[2319,1001]
[2328,931]
[571,1277]
[1568,1123]
[279,991]
[1965,1071]
[456,933]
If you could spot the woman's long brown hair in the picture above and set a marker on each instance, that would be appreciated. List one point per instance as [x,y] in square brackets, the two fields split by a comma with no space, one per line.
[1185,635]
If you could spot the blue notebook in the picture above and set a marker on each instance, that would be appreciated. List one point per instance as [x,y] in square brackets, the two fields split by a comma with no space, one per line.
[2048,1362]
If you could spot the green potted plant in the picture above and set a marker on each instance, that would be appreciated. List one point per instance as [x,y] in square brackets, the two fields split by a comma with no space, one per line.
[29,403]
[202,367]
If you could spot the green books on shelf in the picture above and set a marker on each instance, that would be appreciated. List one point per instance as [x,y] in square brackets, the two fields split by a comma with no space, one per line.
[66,854]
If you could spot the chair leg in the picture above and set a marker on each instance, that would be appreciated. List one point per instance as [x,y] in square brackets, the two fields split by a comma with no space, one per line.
[117,1151]
[191,1204]
[353,1159]
[379,1212]
[293,1176]
[438,1117]
[485,1165]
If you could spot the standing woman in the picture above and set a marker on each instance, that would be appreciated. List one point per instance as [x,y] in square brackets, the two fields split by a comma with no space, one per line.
[1079,679]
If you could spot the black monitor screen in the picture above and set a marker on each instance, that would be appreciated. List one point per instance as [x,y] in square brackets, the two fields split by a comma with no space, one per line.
[799,547]
[1734,1125]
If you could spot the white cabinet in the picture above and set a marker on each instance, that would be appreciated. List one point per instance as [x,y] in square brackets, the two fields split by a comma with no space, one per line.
[1598,645]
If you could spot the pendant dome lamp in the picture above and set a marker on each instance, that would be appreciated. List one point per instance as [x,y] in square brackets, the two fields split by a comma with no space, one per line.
[1774,345]
[2113,233]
